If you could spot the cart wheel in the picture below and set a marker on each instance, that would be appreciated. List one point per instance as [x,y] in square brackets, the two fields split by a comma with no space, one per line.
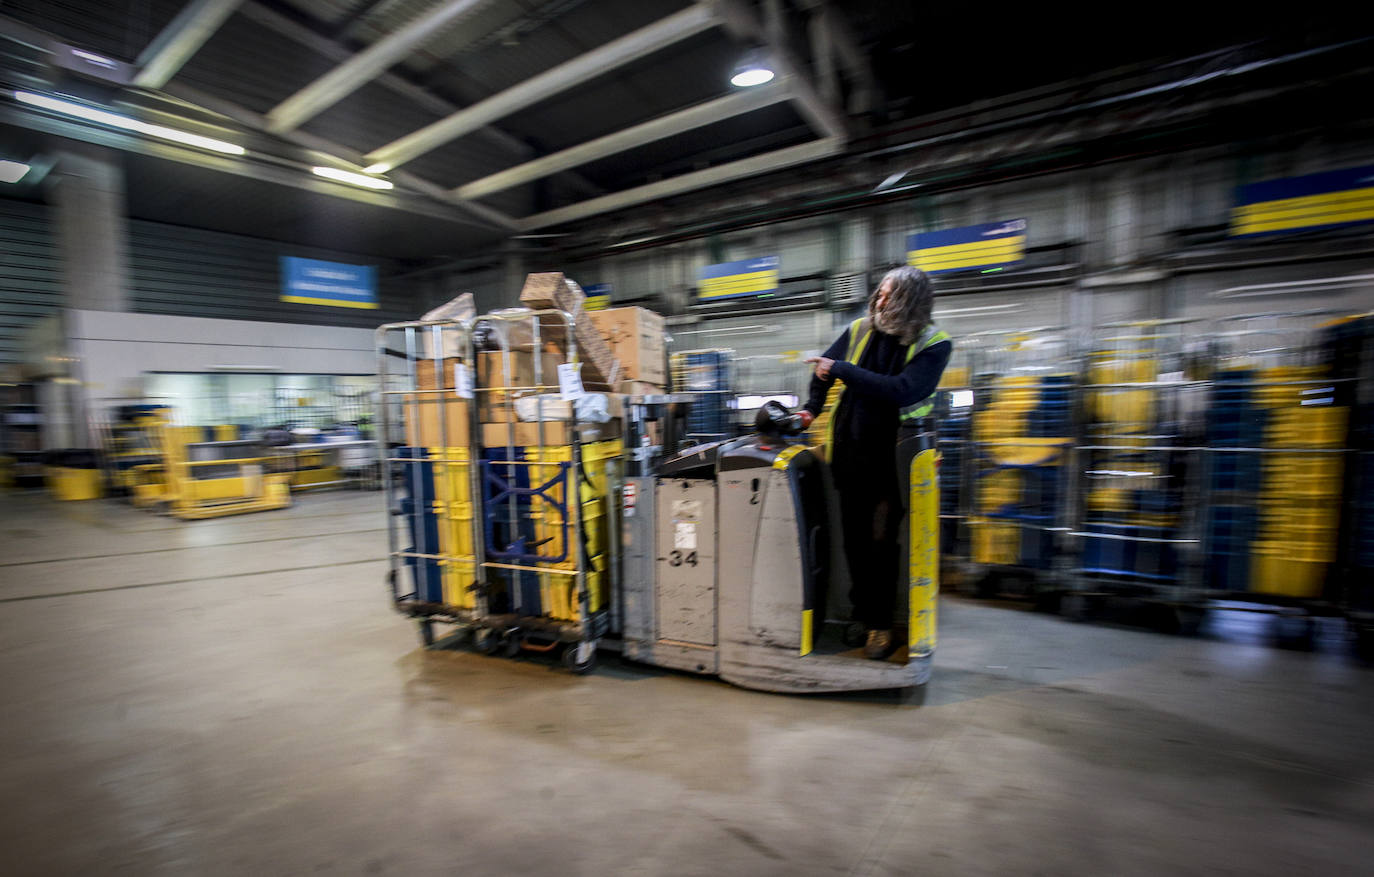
[1074,607]
[427,633]
[510,646]
[1297,632]
[1364,642]
[1190,620]
[485,641]
[580,657]
[854,634]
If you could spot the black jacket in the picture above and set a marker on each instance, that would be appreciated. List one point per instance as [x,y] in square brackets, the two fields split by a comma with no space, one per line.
[876,389]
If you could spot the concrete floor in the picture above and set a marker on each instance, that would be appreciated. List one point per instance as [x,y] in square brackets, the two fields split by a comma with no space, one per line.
[235,697]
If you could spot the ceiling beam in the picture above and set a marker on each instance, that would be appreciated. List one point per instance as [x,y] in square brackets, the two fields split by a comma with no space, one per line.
[15,115]
[365,66]
[746,167]
[824,119]
[647,40]
[647,132]
[180,39]
[327,150]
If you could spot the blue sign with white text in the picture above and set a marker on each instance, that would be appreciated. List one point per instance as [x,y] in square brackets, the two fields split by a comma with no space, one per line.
[333,284]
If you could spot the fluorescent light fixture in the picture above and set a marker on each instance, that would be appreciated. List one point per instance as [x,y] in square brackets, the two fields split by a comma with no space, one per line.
[127,123]
[753,69]
[93,58]
[380,167]
[12,171]
[961,398]
[334,173]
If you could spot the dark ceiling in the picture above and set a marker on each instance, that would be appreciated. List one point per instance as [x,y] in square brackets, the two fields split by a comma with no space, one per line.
[913,60]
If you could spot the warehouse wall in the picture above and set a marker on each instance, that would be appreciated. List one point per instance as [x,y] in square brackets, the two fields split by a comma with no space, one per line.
[30,286]
[197,273]
[114,350]
[1118,223]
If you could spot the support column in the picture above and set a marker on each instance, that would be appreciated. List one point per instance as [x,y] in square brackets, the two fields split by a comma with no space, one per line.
[92,232]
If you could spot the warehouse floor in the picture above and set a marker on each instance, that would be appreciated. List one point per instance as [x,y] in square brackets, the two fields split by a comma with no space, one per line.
[235,697]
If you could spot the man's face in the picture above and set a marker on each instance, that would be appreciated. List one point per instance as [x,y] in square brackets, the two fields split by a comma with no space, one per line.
[884,293]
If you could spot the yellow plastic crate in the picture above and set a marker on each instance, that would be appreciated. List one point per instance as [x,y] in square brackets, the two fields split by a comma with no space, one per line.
[558,592]
[68,484]
[457,577]
[995,542]
[1272,573]
[1315,427]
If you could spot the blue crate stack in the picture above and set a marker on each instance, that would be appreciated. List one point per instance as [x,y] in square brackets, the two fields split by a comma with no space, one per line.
[1234,420]
[422,524]
[708,373]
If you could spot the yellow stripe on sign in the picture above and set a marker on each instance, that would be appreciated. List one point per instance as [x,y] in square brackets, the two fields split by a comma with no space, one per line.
[959,250]
[734,284]
[960,255]
[1329,209]
[1305,201]
[970,262]
[330,302]
[784,457]
[807,637]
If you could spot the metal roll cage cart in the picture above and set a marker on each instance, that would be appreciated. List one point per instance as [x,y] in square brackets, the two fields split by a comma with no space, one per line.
[1137,473]
[543,480]
[412,420]
[1293,556]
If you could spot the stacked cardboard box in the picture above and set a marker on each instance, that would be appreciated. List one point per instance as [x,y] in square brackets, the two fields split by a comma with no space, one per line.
[635,336]
[600,370]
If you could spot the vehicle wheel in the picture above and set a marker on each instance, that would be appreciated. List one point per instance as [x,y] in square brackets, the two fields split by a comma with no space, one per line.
[580,657]
[485,641]
[510,646]
[426,633]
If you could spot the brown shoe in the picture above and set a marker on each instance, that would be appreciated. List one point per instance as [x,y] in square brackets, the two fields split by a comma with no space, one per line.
[879,645]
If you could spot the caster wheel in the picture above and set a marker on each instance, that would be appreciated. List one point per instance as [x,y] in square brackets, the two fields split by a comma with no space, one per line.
[1074,607]
[510,646]
[485,641]
[426,633]
[580,658]
[1298,633]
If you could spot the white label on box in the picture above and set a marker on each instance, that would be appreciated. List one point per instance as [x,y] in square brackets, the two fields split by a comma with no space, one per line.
[570,381]
[462,380]
[688,509]
[685,535]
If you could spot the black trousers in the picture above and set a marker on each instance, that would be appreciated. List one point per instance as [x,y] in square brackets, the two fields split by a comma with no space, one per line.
[871,511]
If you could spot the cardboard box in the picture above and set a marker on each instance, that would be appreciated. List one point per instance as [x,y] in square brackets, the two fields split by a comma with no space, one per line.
[495,435]
[492,368]
[641,388]
[425,378]
[427,415]
[635,336]
[600,369]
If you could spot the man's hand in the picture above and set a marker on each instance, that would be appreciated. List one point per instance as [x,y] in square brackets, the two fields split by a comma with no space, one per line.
[805,417]
[822,366]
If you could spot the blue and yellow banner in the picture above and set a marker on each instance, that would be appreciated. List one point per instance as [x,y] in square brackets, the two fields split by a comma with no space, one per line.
[992,245]
[598,297]
[333,284]
[734,279]
[1343,197]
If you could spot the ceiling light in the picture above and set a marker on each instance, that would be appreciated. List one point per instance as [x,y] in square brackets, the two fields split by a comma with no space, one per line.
[753,69]
[127,123]
[380,167]
[12,171]
[334,173]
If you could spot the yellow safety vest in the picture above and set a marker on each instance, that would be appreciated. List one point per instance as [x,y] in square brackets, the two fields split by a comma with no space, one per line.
[857,345]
